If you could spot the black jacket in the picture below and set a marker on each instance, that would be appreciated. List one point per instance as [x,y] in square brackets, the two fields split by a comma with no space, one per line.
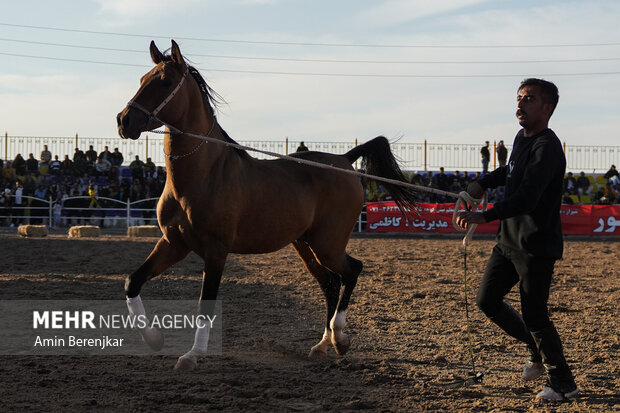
[530,211]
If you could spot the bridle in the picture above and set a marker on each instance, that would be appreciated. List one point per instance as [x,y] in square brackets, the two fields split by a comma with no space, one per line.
[152,116]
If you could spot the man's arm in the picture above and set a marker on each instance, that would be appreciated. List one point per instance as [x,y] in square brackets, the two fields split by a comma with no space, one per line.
[544,160]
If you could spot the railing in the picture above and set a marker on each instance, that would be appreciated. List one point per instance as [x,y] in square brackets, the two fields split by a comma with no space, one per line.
[74,211]
[413,156]
[78,210]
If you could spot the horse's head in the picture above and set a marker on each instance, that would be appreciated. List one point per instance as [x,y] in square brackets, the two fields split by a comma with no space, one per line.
[157,89]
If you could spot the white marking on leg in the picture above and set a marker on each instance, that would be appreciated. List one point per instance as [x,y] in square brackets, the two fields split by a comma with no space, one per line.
[323,345]
[150,335]
[337,324]
[201,342]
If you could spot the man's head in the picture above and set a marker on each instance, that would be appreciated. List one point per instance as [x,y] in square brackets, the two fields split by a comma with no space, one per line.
[536,101]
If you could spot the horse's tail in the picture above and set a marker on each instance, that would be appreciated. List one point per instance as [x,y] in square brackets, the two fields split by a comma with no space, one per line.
[379,160]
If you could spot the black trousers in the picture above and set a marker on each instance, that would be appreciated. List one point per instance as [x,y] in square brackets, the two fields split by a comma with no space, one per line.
[504,270]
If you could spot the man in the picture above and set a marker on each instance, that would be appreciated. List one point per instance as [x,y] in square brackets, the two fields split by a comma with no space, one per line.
[583,184]
[502,153]
[486,156]
[302,147]
[529,239]
[612,176]
[46,155]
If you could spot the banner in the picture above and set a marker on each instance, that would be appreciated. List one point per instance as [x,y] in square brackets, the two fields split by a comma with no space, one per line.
[600,220]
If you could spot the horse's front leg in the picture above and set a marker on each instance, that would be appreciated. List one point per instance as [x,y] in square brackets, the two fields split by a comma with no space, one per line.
[211,276]
[162,257]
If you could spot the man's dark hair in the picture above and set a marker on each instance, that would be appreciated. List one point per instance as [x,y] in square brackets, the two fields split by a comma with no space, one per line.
[548,89]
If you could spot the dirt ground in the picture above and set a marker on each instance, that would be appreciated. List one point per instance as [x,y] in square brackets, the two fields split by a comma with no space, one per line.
[407,322]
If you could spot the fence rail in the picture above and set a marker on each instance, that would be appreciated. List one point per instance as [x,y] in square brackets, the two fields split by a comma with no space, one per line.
[107,212]
[413,156]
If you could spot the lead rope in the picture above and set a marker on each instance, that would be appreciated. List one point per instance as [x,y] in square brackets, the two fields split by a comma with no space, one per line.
[467,202]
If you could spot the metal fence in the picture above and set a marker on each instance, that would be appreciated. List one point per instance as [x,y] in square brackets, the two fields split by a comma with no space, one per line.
[107,212]
[413,156]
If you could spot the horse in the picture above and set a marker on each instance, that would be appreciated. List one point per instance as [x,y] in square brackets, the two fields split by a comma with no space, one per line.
[219,200]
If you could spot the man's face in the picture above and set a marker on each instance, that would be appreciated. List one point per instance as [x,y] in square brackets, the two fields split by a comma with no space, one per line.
[532,112]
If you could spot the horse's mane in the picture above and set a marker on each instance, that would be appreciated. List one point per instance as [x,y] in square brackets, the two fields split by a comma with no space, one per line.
[212,100]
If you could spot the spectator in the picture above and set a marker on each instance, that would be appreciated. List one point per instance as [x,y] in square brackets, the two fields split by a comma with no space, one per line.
[612,176]
[417,179]
[92,153]
[441,180]
[486,156]
[17,203]
[302,147]
[567,200]
[610,195]
[106,154]
[502,154]
[137,168]
[570,184]
[583,184]
[29,185]
[67,166]
[136,190]
[117,158]
[80,166]
[90,163]
[41,192]
[55,166]
[19,163]
[46,155]
[102,166]
[149,168]
[32,165]
[78,155]
[9,172]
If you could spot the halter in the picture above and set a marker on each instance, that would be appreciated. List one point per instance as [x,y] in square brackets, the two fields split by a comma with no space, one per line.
[152,116]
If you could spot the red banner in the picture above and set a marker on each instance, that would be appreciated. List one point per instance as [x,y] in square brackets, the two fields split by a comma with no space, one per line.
[602,220]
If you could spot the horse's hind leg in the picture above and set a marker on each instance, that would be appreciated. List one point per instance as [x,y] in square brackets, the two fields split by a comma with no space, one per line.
[330,284]
[162,257]
[350,273]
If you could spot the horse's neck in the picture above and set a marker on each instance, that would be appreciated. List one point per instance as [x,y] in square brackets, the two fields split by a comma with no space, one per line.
[196,168]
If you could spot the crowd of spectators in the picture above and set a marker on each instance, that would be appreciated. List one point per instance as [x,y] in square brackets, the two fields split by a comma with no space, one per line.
[583,190]
[96,176]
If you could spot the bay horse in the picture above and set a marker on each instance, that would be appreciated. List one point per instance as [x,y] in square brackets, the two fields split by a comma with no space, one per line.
[220,200]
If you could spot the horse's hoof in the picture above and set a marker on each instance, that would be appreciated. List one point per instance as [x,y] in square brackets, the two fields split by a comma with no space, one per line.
[317,352]
[185,364]
[343,346]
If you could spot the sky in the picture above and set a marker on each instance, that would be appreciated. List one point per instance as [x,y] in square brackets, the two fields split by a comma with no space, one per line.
[445,71]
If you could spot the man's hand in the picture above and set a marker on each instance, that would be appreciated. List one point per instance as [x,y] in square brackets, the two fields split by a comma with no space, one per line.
[465,218]
[475,190]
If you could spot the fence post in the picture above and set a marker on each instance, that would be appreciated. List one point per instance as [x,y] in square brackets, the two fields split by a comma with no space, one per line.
[6,145]
[49,212]
[76,141]
[286,146]
[425,154]
[494,154]
[147,148]
[128,213]
[356,162]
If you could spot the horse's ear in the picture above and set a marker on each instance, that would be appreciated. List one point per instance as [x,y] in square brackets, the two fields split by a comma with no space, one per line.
[156,55]
[175,52]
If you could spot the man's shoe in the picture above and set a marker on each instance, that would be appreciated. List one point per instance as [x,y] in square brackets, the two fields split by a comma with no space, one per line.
[533,370]
[549,394]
